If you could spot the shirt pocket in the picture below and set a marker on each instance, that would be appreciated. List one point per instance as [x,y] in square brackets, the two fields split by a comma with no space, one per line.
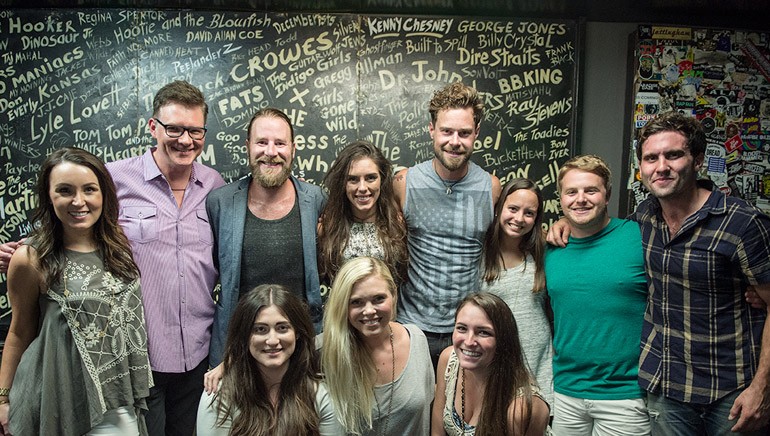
[204,228]
[140,223]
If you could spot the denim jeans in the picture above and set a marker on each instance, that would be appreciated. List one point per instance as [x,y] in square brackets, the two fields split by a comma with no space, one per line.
[673,418]
[437,342]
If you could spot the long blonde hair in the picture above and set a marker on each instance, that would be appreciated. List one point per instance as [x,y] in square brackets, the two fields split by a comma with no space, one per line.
[347,364]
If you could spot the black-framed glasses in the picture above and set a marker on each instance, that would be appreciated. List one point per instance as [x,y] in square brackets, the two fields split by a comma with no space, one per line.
[176,131]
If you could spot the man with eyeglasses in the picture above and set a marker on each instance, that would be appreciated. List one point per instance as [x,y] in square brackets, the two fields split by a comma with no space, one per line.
[162,198]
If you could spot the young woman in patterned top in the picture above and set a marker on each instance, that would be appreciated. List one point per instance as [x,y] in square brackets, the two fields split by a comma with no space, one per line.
[361,216]
[75,358]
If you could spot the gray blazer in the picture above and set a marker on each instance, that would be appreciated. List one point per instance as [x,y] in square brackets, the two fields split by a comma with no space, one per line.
[226,207]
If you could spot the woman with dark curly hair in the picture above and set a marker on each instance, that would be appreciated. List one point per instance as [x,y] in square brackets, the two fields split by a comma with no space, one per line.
[361,216]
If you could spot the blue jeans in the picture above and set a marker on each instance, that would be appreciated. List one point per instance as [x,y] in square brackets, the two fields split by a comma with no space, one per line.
[673,418]
[436,344]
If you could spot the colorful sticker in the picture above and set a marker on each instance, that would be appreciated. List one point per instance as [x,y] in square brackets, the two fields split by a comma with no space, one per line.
[716,165]
[646,64]
[733,143]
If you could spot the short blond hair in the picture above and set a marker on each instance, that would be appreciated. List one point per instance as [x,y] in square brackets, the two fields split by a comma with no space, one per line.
[589,163]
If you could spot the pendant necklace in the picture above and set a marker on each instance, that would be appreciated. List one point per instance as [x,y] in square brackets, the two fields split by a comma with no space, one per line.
[384,428]
[448,184]
[462,401]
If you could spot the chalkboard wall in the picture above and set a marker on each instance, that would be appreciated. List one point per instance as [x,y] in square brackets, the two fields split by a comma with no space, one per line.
[86,78]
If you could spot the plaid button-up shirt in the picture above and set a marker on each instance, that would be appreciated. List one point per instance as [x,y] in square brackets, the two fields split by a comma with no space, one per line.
[700,339]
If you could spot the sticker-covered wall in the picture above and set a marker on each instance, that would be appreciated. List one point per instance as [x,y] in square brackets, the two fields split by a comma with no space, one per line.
[86,78]
[721,77]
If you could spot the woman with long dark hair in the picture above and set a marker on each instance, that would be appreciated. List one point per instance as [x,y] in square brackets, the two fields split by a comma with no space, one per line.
[513,269]
[361,216]
[75,358]
[272,383]
[484,386]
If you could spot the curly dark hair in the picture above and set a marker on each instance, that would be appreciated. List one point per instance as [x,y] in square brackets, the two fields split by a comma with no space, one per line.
[337,216]
[674,121]
[457,96]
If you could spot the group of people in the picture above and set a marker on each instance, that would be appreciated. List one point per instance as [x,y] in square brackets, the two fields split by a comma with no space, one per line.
[497,332]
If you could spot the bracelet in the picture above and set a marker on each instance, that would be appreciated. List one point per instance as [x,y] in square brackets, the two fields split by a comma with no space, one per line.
[4,392]
[4,401]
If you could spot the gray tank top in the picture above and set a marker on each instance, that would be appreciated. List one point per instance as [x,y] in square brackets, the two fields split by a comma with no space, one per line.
[446,235]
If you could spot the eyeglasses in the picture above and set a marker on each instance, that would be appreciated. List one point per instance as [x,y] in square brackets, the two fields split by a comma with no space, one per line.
[177,131]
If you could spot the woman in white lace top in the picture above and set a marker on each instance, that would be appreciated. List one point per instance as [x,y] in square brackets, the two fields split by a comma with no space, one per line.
[361,216]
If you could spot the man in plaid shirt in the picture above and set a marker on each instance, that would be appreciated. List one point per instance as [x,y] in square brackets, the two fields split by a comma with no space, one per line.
[705,358]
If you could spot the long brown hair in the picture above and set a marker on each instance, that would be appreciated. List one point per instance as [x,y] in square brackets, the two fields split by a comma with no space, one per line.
[243,389]
[337,216]
[533,243]
[111,242]
[508,374]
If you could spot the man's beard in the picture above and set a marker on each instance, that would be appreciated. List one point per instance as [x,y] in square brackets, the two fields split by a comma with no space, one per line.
[452,164]
[273,179]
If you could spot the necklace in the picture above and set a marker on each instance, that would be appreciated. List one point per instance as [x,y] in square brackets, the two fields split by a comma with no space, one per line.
[184,188]
[462,401]
[448,184]
[384,428]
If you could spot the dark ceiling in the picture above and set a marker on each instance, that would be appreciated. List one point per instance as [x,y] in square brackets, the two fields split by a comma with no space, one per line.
[737,14]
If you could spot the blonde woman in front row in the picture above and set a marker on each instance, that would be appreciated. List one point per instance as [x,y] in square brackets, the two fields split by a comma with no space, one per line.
[379,372]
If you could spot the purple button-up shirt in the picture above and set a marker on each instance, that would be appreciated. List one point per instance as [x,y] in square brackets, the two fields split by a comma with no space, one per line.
[173,248]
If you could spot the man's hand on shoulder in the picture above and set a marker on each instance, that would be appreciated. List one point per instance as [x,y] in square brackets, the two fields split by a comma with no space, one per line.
[6,252]
[558,233]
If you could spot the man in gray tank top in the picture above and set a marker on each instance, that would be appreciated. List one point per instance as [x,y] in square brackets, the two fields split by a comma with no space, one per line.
[265,226]
[448,205]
